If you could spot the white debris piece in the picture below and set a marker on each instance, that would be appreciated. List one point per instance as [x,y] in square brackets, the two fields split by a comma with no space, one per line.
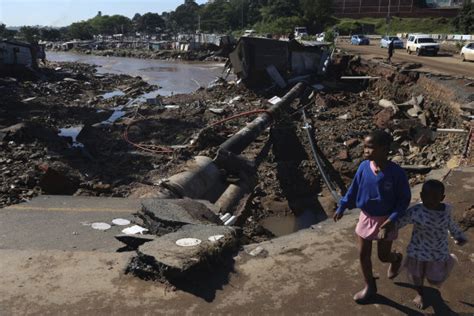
[135,229]
[215,238]
[274,100]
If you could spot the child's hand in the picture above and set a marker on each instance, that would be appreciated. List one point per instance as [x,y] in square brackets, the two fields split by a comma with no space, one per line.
[337,216]
[460,242]
[388,225]
[382,233]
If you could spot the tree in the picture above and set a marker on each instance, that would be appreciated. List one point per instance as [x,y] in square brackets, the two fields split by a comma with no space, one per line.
[318,13]
[148,23]
[49,34]
[216,16]
[81,30]
[280,8]
[185,17]
[6,33]
[31,34]
[464,22]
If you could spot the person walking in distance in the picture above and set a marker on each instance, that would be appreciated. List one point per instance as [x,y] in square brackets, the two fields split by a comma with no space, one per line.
[390,51]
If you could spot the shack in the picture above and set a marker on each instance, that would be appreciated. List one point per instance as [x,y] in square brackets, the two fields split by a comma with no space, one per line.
[18,54]
[258,60]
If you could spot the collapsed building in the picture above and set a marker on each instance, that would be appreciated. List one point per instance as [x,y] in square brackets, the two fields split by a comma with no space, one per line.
[15,55]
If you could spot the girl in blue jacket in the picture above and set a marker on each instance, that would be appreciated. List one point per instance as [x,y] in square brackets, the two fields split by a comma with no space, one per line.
[381,190]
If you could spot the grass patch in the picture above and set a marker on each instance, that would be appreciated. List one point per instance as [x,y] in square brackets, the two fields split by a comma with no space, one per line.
[398,25]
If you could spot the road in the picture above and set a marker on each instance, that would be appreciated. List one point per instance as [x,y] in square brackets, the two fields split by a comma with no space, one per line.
[444,64]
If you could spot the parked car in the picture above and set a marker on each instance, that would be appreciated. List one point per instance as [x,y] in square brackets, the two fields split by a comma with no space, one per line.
[385,41]
[467,52]
[250,33]
[422,44]
[359,40]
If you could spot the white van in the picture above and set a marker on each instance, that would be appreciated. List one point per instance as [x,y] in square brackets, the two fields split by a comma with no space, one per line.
[422,44]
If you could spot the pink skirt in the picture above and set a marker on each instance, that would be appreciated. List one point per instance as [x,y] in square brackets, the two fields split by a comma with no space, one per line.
[368,227]
[436,272]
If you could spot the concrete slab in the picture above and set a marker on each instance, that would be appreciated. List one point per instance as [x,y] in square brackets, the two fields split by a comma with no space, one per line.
[175,261]
[182,211]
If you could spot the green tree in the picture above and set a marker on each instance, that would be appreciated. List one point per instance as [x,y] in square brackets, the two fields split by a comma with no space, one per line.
[185,17]
[280,8]
[464,22]
[318,13]
[50,34]
[31,34]
[81,30]
[216,16]
[148,23]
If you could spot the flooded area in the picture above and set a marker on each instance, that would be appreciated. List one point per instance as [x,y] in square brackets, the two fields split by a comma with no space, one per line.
[285,225]
[172,77]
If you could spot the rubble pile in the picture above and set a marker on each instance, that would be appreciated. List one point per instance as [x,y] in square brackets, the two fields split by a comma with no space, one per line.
[150,139]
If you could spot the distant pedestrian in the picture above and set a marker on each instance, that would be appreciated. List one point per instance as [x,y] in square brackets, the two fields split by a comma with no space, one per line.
[390,51]
[380,189]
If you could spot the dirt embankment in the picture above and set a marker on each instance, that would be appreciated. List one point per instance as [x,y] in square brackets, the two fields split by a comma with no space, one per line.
[161,135]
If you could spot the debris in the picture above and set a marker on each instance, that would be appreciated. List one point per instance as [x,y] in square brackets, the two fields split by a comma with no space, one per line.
[135,229]
[346,116]
[215,238]
[389,104]
[231,221]
[101,226]
[259,250]
[451,130]
[274,100]
[134,240]
[358,77]
[216,110]
[29,99]
[276,77]
[384,118]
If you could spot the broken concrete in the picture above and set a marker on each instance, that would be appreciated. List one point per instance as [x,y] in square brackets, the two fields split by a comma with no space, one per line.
[163,259]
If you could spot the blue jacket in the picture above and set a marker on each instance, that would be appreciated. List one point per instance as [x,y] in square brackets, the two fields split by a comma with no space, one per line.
[385,194]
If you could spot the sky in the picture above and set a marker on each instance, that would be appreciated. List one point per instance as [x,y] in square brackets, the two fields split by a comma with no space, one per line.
[65,12]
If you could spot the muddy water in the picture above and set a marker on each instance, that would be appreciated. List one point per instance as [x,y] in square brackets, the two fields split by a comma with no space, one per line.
[172,77]
[302,214]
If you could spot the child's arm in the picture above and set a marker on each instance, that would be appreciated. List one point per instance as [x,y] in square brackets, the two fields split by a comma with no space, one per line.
[403,194]
[349,199]
[403,220]
[456,232]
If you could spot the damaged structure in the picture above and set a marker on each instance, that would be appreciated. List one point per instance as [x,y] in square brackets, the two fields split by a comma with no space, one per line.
[14,54]
[256,60]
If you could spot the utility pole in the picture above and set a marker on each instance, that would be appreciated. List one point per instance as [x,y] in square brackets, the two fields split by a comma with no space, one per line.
[242,13]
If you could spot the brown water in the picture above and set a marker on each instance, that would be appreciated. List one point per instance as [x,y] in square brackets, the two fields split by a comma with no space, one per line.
[173,77]
[304,214]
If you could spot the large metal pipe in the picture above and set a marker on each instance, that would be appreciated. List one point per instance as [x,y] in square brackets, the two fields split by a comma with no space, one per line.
[201,174]
[237,143]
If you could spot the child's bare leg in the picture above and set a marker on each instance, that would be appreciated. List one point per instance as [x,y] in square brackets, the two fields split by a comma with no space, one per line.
[419,299]
[384,250]
[365,253]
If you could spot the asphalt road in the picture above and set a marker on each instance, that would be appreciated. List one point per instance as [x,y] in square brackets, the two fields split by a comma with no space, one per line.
[443,63]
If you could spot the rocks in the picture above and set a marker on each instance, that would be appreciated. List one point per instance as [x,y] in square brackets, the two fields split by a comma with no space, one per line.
[384,118]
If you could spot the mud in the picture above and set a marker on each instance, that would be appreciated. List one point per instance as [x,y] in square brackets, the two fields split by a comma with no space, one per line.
[131,155]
